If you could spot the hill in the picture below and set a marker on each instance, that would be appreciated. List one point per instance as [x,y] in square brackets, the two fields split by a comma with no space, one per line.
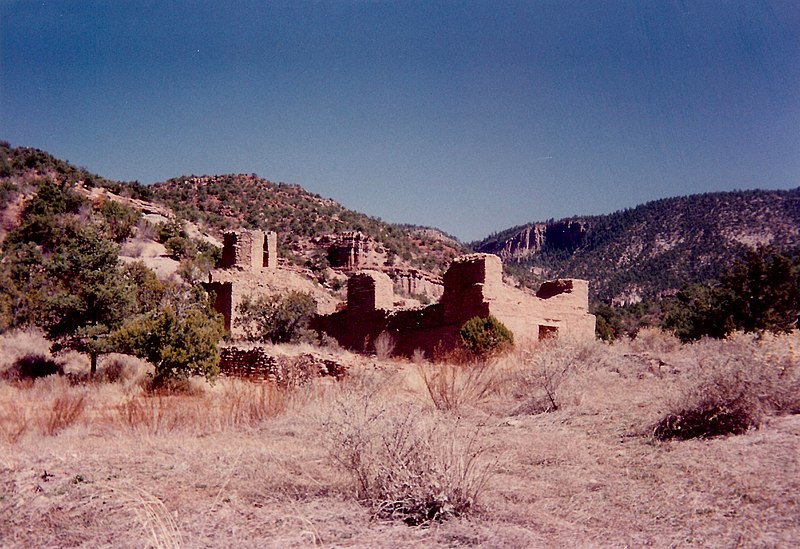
[309,227]
[301,219]
[653,249]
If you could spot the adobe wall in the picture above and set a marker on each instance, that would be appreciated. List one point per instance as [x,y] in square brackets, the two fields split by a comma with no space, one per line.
[473,286]
[246,257]
[270,260]
[370,290]
[230,288]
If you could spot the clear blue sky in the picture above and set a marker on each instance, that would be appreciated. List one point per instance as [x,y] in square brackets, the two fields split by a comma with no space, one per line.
[469,116]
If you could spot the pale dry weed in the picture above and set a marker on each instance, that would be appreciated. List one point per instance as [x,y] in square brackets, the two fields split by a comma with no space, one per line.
[406,463]
[451,387]
[384,346]
[732,385]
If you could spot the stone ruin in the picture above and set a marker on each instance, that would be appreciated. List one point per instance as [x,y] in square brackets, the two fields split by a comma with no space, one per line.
[473,286]
[260,367]
[248,257]
[352,251]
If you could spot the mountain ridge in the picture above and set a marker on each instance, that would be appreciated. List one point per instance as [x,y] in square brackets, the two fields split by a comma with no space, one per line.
[653,249]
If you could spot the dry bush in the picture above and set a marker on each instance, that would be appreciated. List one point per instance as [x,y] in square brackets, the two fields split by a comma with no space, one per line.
[384,346]
[405,464]
[14,422]
[732,386]
[32,366]
[65,410]
[247,404]
[542,370]
[122,369]
[161,414]
[21,342]
[453,386]
[145,230]
[654,340]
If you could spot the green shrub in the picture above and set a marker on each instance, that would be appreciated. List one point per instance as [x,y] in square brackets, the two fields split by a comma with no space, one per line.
[120,219]
[484,336]
[277,319]
[178,343]
[179,248]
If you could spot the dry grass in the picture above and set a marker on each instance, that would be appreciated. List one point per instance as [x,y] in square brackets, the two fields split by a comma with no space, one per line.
[332,464]
[452,387]
[406,464]
[384,346]
[732,386]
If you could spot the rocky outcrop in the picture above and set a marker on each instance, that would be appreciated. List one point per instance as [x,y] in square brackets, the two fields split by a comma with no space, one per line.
[535,238]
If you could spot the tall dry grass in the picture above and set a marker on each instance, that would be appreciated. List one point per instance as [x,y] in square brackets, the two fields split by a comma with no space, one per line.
[731,386]
[405,462]
[454,386]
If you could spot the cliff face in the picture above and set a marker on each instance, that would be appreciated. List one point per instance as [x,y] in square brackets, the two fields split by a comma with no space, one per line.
[654,249]
[533,239]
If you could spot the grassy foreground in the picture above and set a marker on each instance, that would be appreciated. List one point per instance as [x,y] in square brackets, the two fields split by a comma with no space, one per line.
[535,449]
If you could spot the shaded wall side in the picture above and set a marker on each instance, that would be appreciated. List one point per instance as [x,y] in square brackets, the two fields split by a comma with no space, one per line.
[223,299]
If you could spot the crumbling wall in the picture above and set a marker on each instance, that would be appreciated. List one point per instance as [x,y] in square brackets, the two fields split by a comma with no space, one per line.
[223,300]
[413,282]
[257,365]
[470,283]
[354,250]
[369,290]
[270,260]
[243,250]
[473,286]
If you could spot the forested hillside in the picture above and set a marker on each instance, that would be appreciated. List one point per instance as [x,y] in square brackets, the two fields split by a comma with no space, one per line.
[299,218]
[238,201]
[653,249]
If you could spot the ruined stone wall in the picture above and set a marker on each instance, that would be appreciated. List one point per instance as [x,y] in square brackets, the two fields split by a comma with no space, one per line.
[369,290]
[270,246]
[470,284]
[413,282]
[473,286]
[354,250]
[257,365]
[223,300]
[242,250]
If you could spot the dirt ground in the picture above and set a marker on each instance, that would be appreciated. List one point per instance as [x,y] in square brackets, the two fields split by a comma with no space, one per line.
[196,471]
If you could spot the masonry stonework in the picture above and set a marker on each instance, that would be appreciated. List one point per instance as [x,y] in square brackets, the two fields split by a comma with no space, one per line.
[473,286]
[247,256]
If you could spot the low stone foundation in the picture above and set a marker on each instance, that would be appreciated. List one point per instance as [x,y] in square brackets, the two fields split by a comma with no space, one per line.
[259,366]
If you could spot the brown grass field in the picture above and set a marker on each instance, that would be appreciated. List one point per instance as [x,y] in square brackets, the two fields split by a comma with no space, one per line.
[547,447]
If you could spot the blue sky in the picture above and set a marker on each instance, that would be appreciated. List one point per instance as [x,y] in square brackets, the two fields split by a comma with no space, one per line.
[470,116]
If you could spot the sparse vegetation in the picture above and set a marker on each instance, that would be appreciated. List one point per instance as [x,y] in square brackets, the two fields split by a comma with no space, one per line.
[277,319]
[333,457]
[405,465]
[461,446]
[731,390]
